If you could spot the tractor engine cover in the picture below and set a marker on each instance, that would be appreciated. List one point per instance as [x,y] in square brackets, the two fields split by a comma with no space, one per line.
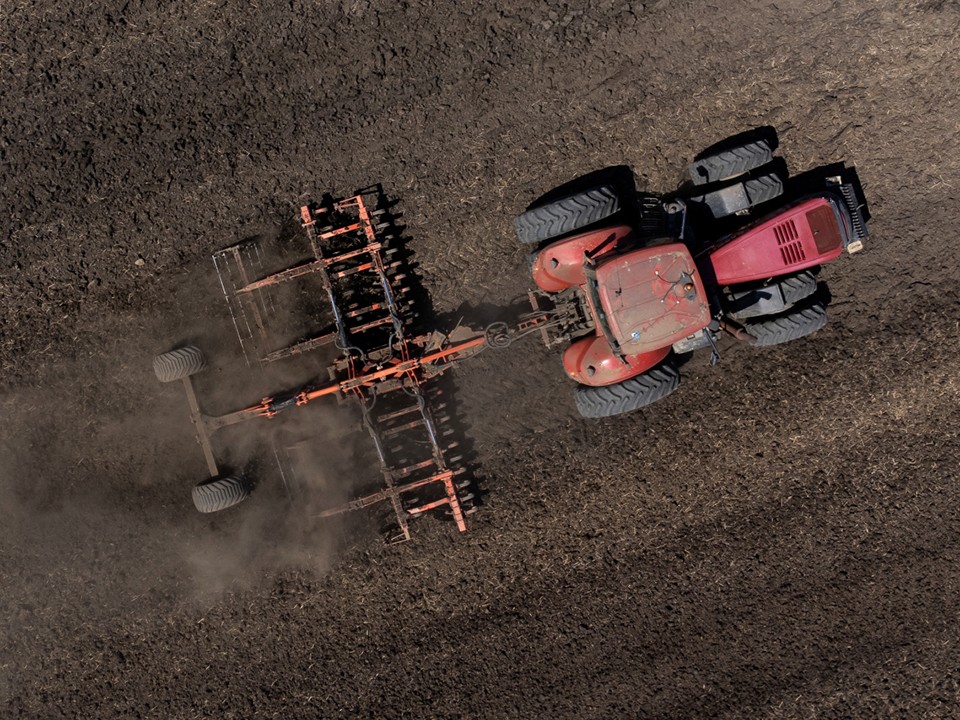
[806,235]
[652,297]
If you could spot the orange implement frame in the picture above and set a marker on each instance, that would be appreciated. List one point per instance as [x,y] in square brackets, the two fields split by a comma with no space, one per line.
[381,365]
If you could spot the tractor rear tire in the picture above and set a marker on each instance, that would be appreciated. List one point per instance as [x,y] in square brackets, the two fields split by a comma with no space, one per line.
[567,214]
[631,394]
[727,164]
[220,493]
[794,324]
[177,364]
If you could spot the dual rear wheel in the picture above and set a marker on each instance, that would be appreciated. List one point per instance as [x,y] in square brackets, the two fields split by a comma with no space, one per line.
[630,394]
[716,170]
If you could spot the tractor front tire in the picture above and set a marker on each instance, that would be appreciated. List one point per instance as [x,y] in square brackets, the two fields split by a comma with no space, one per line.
[732,199]
[799,286]
[727,164]
[798,322]
[177,364]
[793,288]
[220,493]
[631,394]
[567,214]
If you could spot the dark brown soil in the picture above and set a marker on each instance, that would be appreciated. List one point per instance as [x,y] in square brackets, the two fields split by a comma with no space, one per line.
[778,539]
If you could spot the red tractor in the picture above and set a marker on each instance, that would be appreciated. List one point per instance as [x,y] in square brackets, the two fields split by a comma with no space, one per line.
[640,280]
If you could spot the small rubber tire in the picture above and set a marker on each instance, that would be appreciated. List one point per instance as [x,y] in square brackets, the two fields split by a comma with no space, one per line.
[799,322]
[567,214]
[218,494]
[727,164]
[177,364]
[631,394]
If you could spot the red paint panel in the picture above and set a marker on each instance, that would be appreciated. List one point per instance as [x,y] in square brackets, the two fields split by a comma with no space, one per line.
[590,361]
[801,237]
[560,265]
[652,297]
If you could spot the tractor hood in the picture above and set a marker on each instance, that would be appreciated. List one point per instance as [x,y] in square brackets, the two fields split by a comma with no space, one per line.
[651,298]
[808,234]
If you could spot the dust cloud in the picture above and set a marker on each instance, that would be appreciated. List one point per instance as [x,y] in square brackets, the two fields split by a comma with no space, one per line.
[99,458]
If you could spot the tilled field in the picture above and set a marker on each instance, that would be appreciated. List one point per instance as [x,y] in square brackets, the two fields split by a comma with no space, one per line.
[778,539]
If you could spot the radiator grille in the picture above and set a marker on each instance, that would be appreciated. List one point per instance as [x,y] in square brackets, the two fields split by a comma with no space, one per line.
[791,249]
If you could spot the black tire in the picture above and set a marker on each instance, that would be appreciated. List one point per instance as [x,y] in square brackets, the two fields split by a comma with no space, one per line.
[798,286]
[750,302]
[764,188]
[180,363]
[220,493]
[799,322]
[567,214]
[727,164]
[728,200]
[631,394]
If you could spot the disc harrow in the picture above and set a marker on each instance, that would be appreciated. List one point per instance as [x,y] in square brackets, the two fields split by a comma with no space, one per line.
[380,363]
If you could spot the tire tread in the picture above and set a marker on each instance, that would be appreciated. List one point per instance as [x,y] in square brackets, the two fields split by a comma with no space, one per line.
[731,163]
[798,286]
[629,395]
[761,189]
[220,493]
[567,214]
[793,325]
[180,363]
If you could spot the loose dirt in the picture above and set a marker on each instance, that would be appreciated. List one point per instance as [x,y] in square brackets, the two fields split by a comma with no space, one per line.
[778,539]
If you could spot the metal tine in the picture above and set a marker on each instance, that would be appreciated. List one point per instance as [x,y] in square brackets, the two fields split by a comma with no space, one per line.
[284,465]
[407,453]
[428,423]
[371,325]
[266,299]
[398,429]
[231,300]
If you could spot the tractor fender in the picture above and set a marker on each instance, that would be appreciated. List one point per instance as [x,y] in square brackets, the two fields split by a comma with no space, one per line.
[560,265]
[591,361]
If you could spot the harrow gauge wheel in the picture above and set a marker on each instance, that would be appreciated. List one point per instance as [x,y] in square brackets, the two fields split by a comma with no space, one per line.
[220,493]
[178,364]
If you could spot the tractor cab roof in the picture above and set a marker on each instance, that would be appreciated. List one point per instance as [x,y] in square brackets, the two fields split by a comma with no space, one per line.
[651,297]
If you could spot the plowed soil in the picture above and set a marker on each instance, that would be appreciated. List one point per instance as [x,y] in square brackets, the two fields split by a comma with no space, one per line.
[778,539]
